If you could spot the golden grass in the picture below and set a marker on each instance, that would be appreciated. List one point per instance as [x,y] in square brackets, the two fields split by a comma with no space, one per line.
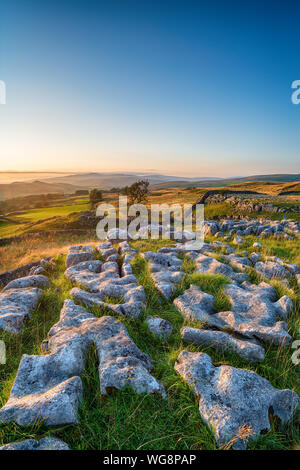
[26,251]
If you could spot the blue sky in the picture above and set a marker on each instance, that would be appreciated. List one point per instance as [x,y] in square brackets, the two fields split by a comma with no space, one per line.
[186,88]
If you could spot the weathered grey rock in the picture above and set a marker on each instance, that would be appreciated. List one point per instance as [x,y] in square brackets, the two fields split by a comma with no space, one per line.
[110,266]
[222,341]
[54,406]
[126,269]
[85,274]
[108,252]
[231,398]
[159,327]
[238,262]
[293,268]
[47,443]
[258,227]
[219,234]
[48,387]
[254,257]
[272,270]
[238,240]
[128,258]
[93,266]
[37,271]
[113,258]
[103,281]
[239,278]
[121,363]
[83,248]
[125,249]
[131,297]
[284,306]
[28,281]
[209,265]
[211,228]
[194,304]
[257,245]
[298,279]
[16,306]
[165,270]
[255,312]
[78,254]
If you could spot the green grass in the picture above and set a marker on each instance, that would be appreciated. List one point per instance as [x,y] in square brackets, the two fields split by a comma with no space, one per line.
[34,215]
[125,420]
[25,219]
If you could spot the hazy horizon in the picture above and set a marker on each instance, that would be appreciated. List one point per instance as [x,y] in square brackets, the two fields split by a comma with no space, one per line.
[7,177]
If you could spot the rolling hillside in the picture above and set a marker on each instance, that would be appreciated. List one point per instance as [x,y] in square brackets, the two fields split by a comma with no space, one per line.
[265,179]
[69,183]
[19,189]
[112,180]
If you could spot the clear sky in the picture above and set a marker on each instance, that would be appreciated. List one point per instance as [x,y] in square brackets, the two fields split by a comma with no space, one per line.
[182,87]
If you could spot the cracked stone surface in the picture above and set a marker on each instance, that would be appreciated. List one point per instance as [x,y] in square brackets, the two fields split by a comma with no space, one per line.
[47,443]
[275,267]
[125,249]
[258,227]
[28,281]
[271,270]
[16,306]
[108,252]
[85,274]
[102,281]
[78,254]
[236,261]
[48,387]
[194,304]
[165,270]
[248,350]
[231,398]
[159,327]
[255,257]
[255,311]
[125,289]
[209,265]
[121,363]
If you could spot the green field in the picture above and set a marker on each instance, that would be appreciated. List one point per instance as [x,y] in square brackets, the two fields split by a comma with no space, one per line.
[21,220]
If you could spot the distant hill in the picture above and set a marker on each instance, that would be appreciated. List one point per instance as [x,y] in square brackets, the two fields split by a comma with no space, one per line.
[69,183]
[7,177]
[284,178]
[117,180]
[19,189]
